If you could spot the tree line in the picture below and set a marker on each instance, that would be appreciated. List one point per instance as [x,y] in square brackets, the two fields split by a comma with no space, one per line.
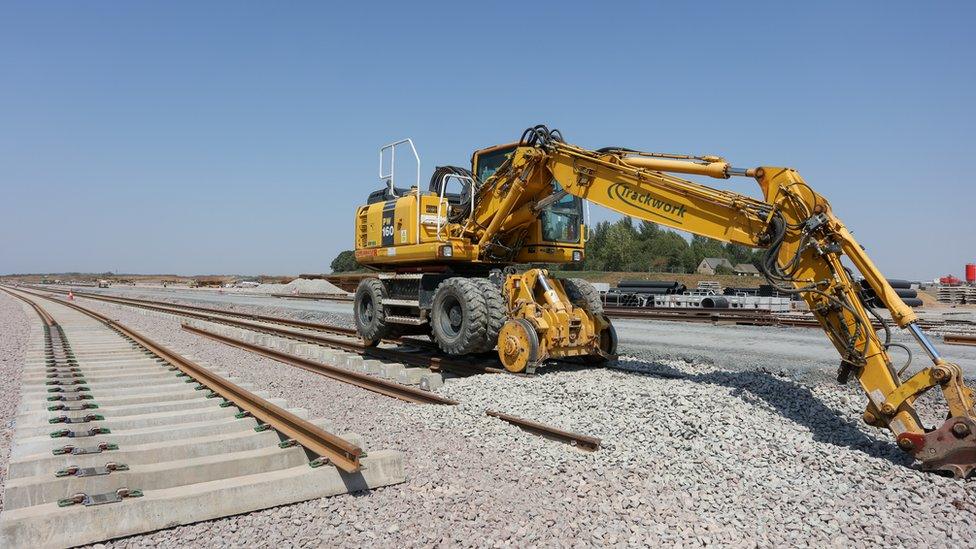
[623,246]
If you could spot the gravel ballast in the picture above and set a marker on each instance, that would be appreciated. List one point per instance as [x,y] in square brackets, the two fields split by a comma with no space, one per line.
[14,336]
[693,455]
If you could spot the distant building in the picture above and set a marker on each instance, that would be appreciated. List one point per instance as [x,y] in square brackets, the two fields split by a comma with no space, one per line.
[745,269]
[710,265]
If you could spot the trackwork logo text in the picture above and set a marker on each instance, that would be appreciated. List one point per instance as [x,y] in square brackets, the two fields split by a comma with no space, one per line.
[645,201]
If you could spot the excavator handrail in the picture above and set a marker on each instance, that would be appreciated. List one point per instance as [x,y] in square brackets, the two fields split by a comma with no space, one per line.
[441,200]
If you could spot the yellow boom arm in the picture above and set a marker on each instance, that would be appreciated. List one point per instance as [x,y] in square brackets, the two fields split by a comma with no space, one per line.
[804,245]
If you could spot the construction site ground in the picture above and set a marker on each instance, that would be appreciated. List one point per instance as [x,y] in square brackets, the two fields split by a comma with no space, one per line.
[731,435]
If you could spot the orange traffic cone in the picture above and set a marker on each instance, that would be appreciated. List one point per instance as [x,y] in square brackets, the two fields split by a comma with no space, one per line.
[71,296]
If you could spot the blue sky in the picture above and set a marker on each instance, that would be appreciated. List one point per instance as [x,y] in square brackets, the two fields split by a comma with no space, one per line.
[239,137]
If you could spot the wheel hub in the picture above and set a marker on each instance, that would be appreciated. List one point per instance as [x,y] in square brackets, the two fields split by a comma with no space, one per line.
[519,345]
[456,316]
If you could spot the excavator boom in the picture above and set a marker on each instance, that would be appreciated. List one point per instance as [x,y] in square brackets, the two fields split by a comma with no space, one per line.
[804,243]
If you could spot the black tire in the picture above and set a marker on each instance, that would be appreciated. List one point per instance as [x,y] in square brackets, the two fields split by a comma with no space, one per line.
[608,344]
[459,316]
[608,340]
[496,309]
[583,294]
[368,312]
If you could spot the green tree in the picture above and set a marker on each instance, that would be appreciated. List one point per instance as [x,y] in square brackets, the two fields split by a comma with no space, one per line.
[622,247]
[594,260]
[665,252]
[649,230]
[737,253]
[723,270]
[344,262]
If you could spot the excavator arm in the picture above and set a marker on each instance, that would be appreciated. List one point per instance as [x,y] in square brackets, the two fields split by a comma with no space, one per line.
[804,244]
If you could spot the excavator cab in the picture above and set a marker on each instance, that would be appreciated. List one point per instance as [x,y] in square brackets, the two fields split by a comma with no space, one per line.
[485,162]
[558,234]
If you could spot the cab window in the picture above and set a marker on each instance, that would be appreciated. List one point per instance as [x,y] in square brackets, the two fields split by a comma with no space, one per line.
[561,221]
[488,163]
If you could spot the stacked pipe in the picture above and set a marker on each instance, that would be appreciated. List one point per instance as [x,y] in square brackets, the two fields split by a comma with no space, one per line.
[764,290]
[651,287]
[902,287]
[640,293]
[715,302]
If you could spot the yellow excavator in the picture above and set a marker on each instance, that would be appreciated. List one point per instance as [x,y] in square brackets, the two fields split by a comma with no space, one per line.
[446,261]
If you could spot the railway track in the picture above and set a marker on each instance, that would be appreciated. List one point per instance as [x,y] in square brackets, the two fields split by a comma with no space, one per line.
[351,353]
[118,435]
[753,317]
[741,317]
[312,332]
[364,381]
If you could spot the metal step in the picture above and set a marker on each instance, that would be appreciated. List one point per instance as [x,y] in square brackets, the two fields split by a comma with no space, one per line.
[401,302]
[400,276]
[412,320]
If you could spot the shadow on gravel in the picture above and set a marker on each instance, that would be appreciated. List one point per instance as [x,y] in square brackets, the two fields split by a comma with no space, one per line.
[789,399]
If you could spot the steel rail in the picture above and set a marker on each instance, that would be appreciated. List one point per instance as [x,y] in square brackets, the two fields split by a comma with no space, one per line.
[395,390]
[583,442]
[45,316]
[363,381]
[958,339]
[732,316]
[252,316]
[703,315]
[745,317]
[338,451]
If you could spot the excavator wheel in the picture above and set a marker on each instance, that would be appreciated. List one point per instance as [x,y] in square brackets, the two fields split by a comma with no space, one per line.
[496,310]
[583,294]
[459,316]
[369,314]
[518,346]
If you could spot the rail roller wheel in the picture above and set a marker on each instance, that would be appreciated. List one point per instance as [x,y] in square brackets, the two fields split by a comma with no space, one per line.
[608,340]
[518,346]
[608,345]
